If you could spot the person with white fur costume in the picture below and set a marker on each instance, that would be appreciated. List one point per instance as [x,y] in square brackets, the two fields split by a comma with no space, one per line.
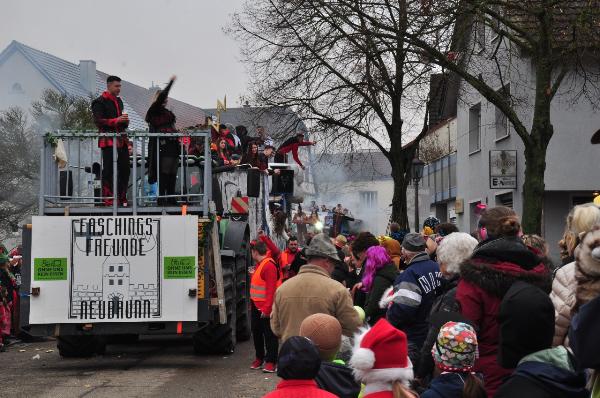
[380,361]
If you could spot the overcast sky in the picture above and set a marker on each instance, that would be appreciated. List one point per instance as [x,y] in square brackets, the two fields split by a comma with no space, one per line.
[142,41]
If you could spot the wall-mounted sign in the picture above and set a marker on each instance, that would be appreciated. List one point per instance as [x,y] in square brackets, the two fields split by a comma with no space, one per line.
[503,169]
[459,206]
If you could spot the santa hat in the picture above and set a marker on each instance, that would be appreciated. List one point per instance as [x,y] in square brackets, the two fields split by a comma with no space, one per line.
[380,354]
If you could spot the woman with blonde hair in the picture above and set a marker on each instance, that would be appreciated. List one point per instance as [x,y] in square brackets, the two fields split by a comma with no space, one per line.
[582,219]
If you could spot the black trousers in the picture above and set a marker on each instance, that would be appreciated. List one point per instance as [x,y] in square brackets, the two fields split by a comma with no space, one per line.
[263,337]
[122,171]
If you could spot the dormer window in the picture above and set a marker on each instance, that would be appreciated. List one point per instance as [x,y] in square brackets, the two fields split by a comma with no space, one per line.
[17,89]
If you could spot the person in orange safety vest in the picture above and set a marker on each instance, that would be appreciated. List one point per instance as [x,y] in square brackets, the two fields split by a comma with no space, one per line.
[263,283]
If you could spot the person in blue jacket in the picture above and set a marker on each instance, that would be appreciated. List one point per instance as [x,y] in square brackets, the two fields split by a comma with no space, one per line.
[414,292]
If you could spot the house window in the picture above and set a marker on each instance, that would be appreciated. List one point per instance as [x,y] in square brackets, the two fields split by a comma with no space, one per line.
[501,120]
[17,89]
[111,282]
[505,199]
[120,268]
[120,282]
[475,128]
[368,198]
[111,268]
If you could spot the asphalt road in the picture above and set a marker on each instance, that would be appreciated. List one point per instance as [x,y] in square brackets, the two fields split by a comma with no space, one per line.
[153,367]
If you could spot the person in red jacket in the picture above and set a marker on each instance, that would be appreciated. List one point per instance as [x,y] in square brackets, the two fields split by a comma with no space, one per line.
[291,145]
[299,364]
[263,283]
[283,258]
[109,118]
[498,261]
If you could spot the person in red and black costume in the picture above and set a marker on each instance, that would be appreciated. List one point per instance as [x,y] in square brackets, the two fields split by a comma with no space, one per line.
[108,116]
[162,120]
[291,145]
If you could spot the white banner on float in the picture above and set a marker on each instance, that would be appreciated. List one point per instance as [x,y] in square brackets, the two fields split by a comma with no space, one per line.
[114,269]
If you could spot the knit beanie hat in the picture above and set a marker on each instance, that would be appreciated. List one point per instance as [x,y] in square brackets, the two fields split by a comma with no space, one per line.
[298,359]
[455,349]
[380,354]
[325,332]
[414,242]
[429,225]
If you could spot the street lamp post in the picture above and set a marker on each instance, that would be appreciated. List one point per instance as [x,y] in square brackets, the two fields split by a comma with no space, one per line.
[416,172]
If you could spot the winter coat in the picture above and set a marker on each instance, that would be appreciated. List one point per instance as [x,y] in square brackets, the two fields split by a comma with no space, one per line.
[583,335]
[106,109]
[298,389]
[446,385]
[338,379]
[383,279]
[310,292]
[485,278]
[545,374]
[415,290]
[563,298]
[445,308]
[161,120]
[341,274]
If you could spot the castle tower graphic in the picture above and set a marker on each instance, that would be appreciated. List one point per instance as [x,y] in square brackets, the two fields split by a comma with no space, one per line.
[115,279]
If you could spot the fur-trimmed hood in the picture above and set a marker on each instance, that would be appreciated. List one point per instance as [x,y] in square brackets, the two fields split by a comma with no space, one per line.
[587,268]
[497,264]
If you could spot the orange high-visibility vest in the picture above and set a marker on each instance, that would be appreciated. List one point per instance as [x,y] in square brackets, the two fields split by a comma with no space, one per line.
[284,258]
[258,286]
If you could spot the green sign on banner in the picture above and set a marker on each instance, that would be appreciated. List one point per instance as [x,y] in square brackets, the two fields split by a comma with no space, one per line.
[180,267]
[50,269]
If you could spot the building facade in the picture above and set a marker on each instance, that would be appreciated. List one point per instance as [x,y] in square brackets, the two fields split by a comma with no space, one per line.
[362,183]
[490,163]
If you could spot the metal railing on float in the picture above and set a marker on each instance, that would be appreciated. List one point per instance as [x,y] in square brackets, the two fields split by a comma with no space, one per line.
[71,173]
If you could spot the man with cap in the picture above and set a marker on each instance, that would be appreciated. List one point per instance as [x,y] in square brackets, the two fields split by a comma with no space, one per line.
[414,292]
[313,291]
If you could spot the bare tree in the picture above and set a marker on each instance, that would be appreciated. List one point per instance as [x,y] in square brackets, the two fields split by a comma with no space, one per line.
[555,41]
[20,140]
[56,110]
[18,169]
[354,82]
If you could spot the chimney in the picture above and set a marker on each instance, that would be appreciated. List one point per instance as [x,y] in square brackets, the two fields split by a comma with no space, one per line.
[87,75]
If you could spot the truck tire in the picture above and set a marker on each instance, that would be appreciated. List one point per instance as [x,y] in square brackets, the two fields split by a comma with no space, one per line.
[216,338]
[243,331]
[80,346]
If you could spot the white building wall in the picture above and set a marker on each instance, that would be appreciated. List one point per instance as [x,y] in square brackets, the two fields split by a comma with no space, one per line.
[571,160]
[18,70]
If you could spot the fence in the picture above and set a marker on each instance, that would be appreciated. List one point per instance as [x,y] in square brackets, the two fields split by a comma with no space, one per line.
[70,181]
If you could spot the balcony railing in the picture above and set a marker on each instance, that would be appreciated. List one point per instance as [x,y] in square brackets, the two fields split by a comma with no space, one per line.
[76,186]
